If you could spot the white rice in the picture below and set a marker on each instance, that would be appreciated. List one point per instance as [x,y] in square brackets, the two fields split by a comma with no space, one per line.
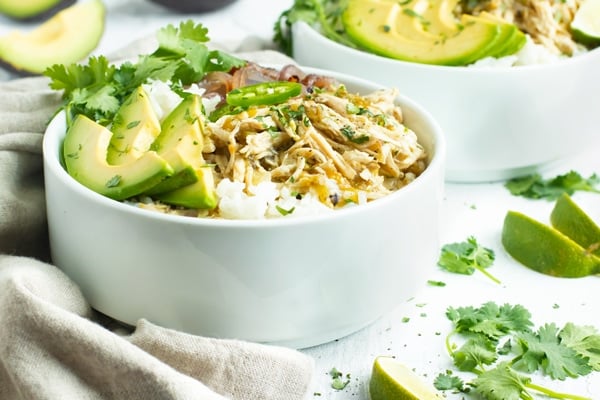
[164,100]
[266,201]
[530,54]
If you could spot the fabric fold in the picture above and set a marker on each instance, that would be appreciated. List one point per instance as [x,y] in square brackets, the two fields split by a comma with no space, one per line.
[53,349]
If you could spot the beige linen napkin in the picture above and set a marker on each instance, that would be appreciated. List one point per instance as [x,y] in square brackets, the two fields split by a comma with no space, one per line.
[54,346]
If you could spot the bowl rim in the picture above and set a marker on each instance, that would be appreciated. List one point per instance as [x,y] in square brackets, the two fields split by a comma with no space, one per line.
[55,132]
[309,31]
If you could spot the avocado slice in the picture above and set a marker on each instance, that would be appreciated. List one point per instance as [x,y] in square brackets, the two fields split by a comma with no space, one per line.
[84,151]
[68,37]
[32,9]
[513,41]
[135,127]
[180,143]
[437,18]
[200,194]
[423,31]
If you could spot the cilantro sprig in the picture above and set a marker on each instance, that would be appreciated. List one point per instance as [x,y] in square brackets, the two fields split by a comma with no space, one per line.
[466,257]
[98,88]
[535,187]
[502,349]
[324,15]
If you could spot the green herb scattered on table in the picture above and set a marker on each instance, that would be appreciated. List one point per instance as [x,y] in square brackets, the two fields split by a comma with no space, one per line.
[436,283]
[466,257]
[337,379]
[535,187]
[500,346]
[99,88]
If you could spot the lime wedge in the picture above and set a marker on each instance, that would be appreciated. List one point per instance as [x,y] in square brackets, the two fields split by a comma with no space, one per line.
[585,26]
[572,221]
[391,379]
[545,249]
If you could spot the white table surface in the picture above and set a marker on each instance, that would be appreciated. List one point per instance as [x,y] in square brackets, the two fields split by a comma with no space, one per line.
[469,209]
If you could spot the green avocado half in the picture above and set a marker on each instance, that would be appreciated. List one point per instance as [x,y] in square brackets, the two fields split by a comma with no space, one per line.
[67,37]
[427,32]
[30,10]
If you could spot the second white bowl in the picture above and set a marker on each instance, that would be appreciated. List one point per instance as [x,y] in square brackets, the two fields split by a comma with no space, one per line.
[499,122]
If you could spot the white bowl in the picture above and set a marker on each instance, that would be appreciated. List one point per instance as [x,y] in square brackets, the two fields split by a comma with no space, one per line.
[297,282]
[499,122]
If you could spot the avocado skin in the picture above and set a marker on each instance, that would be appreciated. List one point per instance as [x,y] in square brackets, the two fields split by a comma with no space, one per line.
[17,72]
[39,15]
[193,6]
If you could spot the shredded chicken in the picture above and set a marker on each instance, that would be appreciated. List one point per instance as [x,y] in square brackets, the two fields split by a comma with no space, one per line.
[326,145]
[546,21]
[328,142]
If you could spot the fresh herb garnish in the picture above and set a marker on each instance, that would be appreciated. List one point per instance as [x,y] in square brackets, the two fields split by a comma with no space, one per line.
[502,369]
[351,135]
[448,381]
[337,379]
[133,124]
[466,257]
[535,187]
[283,211]
[436,283]
[322,14]
[99,88]
[114,181]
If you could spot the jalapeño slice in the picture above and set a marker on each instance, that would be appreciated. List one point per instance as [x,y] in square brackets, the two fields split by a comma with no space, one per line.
[264,93]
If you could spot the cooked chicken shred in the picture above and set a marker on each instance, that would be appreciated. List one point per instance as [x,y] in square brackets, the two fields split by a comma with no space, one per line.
[329,144]
[546,21]
[324,141]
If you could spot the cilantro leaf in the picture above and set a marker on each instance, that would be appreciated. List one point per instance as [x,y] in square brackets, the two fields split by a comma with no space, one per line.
[448,381]
[502,383]
[74,76]
[544,350]
[466,257]
[475,352]
[175,41]
[585,340]
[535,187]
[559,353]
[103,100]
[98,88]
[490,319]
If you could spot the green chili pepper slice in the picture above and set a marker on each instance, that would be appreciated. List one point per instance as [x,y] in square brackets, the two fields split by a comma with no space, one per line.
[264,93]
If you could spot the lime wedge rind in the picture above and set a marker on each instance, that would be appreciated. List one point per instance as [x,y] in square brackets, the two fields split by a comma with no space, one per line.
[573,222]
[390,379]
[585,26]
[545,249]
